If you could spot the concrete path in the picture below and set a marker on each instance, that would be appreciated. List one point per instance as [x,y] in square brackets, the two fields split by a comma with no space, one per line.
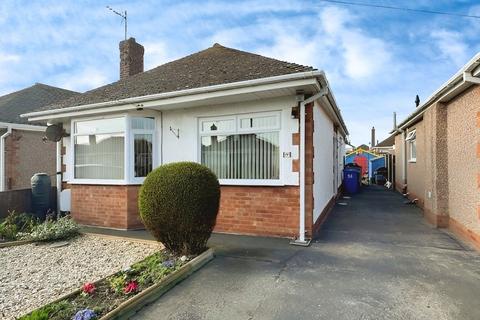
[375,259]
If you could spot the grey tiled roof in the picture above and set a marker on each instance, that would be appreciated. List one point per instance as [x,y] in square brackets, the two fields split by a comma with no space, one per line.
[212,66]
[390,141]
[14,104]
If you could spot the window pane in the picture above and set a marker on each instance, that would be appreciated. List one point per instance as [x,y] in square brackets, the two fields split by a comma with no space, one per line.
[413,149]
[246,156]
[147,123]
[259,122]
[99,156]
[100,126]
[143,154]
[218,126]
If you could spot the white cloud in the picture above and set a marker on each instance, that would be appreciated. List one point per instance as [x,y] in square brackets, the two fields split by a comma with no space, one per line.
[451,46]
[85,79]
[156,53]
[364,56]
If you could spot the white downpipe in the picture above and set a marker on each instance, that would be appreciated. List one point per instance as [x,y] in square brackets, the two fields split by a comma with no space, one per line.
[301,236]
[404,158]
[59,173]
[2,157]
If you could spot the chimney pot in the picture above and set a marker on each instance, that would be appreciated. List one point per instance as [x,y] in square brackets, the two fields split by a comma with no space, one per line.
[131,58]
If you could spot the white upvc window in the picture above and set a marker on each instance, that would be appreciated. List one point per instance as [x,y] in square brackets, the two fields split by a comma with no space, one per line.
[113,150]
[412,145]
[242,149]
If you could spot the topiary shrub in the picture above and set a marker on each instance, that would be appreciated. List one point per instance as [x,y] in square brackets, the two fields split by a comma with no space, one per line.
[179,205]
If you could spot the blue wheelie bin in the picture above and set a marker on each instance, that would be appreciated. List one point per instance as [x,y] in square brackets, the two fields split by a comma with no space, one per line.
[351,180]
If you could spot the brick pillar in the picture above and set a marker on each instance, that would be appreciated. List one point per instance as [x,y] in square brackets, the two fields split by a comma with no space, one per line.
[436,173]
[309,177]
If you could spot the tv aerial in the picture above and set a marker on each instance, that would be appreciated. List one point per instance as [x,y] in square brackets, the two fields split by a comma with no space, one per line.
[121,14]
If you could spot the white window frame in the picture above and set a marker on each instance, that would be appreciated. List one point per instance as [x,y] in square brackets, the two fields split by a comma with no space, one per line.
[131,147]
[238,130]
[412,142]
[128,174]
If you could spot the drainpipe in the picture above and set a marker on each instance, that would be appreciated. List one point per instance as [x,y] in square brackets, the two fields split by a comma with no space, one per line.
[59,174]
[302,241]
[301,236]
[2,157]
[404,157]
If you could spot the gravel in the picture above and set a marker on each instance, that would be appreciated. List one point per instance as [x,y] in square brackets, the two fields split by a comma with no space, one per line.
[35,274]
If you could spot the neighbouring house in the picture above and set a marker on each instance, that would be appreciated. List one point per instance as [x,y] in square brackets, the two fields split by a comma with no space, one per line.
[386,146]
[270,130]
[437,151]
[22,151]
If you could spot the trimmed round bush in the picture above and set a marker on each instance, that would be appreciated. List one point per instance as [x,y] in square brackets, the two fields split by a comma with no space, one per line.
[179,205]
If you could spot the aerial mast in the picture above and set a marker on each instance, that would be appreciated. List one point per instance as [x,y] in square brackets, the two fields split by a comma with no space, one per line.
[124,18]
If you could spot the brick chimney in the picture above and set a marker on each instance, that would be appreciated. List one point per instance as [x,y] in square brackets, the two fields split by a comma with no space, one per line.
[131,58]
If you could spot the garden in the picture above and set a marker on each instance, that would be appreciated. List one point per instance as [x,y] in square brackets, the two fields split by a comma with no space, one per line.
[64,274]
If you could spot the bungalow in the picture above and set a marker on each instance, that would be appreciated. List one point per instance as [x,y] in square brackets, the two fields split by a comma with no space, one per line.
[437,148]
[22,153]
[270,130]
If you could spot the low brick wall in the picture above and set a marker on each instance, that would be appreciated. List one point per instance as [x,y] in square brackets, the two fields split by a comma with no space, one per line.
[106,206]
[269,211]
[19,200]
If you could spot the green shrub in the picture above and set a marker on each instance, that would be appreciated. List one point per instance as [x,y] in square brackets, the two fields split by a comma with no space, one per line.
[179,204]
[58,310]
[16,223]
[62,228]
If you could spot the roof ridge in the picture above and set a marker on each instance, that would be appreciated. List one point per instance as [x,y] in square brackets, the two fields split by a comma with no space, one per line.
[43,85]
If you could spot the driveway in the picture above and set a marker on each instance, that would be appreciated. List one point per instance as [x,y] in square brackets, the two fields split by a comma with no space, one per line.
[375,259]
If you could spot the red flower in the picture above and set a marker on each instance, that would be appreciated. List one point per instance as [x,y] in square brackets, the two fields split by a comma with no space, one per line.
[132,286]
[88,288]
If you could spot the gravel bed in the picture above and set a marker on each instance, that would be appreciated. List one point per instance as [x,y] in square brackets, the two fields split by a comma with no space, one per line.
[32,275]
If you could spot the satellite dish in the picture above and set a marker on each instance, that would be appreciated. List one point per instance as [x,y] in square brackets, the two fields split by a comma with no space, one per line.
[54,133]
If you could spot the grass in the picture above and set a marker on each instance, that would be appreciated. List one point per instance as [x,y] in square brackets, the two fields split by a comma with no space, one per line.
[109,292]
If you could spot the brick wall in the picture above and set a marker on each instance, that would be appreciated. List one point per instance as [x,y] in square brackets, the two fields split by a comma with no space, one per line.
[106,206]
[247,210]
[26,154]
[262,210]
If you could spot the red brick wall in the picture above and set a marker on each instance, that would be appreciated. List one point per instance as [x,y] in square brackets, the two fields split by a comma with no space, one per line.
[106,206]
[247,210]
[309,174]
[271,211]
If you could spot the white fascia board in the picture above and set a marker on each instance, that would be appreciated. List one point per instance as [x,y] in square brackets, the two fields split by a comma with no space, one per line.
[172,101]
[194,91]
[20,126]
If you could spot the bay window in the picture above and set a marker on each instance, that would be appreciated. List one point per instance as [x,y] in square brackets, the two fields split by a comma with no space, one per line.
[242,147]
[116,149]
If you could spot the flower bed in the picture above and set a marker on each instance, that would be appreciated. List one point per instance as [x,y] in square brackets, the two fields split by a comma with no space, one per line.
[38,273]
[124,290]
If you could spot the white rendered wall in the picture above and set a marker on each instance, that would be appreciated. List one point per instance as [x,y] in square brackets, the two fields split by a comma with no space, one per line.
[323,161]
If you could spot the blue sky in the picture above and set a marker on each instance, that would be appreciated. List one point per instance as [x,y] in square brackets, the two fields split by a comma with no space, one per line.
[376,60]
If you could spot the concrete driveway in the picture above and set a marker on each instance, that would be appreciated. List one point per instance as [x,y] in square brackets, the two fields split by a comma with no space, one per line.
[375,259]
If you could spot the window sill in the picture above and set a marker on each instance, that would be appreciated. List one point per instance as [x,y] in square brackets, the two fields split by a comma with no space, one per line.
[104,182]
[250,182]
[412,161]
